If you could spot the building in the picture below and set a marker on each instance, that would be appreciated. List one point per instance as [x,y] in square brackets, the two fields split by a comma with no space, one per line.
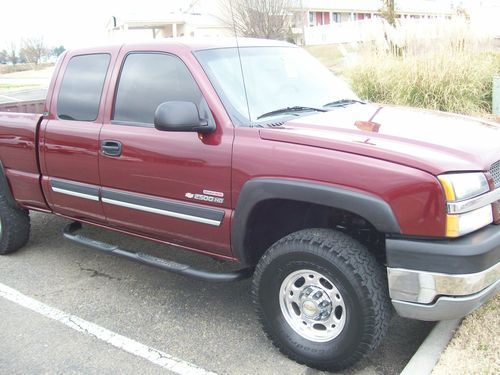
[173,18]
[205,18]
[324,12]
[311,14]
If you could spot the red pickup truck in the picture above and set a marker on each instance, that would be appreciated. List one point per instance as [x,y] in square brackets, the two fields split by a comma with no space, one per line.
[260,156]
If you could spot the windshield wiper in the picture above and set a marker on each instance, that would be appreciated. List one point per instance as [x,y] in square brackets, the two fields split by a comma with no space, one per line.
[291,109]
[343,102]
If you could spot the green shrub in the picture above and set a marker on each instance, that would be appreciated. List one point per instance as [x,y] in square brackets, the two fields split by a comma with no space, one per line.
[453,81]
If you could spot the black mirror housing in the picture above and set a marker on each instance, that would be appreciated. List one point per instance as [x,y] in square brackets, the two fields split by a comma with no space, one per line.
[180,116]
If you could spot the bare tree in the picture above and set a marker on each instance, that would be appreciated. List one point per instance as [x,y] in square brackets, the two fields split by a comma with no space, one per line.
[388,12]
[4,57]
[33,50]
[12,55]
[57,51]
[268,19]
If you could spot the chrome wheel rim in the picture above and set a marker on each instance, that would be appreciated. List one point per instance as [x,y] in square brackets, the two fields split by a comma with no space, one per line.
[312,305]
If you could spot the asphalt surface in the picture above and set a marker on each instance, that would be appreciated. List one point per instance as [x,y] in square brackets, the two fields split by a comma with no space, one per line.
[22,95]
[210,325]
[33,344]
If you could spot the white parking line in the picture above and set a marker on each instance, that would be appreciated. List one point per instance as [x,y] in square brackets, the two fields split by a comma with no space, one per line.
[155,356]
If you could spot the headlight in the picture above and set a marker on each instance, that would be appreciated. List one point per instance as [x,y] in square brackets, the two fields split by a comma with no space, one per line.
[463,187]
[460,186]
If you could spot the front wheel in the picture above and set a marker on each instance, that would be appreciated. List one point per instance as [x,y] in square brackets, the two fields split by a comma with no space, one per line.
[322,298]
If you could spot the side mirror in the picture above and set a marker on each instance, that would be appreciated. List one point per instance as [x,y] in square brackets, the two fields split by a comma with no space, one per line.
[181,117]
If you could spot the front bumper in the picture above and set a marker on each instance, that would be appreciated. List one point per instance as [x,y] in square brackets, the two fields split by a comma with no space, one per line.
[446,308]
[440,280]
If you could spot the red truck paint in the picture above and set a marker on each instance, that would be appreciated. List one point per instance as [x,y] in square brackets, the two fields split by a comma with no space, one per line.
[18,137]
[397,163]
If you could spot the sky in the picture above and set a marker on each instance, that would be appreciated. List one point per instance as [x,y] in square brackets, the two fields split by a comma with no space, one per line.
[72,24]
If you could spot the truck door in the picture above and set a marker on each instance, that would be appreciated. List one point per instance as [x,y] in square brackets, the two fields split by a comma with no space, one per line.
[69,139]
[171,186]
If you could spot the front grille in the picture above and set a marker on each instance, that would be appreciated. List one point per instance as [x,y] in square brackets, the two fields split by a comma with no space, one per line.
[495,173]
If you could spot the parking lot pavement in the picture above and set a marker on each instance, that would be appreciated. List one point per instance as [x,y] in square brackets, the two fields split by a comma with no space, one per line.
[209,325]
[23,95]
[32,344]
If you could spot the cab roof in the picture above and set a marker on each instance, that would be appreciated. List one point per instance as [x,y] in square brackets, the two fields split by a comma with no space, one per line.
[190,43]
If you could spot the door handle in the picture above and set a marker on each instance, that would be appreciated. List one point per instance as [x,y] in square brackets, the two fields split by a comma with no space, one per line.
[111,148]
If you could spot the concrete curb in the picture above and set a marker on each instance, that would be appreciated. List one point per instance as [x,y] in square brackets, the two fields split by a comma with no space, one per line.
[427,355]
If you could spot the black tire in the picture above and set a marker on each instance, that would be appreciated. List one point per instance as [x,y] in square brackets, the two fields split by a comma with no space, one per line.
[355,274]
[15,227]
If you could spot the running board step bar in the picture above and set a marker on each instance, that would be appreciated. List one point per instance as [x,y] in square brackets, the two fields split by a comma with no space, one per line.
[150,260]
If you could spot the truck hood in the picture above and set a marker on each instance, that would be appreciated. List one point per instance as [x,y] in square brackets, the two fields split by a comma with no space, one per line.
[432,141]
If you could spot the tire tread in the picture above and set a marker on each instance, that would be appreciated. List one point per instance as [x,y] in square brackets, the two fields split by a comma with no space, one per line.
[15,227]
[336,246]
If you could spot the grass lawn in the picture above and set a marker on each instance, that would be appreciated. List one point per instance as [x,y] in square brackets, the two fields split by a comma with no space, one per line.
[9,86]
[330,55]
[475,348]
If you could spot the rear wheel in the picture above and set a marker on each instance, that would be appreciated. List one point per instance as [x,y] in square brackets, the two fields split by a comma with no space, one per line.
[14,227]
[322,298]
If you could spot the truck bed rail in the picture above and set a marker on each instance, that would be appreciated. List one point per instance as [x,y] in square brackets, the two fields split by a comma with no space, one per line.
[29,106]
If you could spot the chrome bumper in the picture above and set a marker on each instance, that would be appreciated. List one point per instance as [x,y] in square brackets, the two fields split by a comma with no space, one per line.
[437,296]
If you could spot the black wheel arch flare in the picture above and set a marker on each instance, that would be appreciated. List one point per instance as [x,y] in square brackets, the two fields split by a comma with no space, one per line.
[255,191]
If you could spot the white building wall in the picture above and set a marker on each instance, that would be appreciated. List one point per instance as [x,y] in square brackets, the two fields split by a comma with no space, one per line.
[369,6]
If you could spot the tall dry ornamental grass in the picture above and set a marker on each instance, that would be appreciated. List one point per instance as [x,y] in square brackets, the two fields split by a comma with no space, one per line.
[454,82]
[443,70]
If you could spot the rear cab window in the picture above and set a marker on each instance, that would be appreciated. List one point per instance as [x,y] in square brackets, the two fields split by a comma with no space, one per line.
[81,88]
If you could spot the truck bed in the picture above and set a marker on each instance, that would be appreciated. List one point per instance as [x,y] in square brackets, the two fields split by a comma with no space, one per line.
[30,106]
[19,123]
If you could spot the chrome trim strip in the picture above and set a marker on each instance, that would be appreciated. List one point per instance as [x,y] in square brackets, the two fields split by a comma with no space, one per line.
[424,287]
[473,203]
[162,212]
[75,194]
[164,204]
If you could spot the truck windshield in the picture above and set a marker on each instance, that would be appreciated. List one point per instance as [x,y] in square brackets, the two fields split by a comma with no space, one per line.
[279,81]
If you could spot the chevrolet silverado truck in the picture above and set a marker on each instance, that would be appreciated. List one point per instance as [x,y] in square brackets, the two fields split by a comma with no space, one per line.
[341,210]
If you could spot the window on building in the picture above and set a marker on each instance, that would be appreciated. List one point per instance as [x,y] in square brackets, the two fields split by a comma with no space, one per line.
[149,79]
[319,18]
[326,18]
[81,88]
[311,19]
